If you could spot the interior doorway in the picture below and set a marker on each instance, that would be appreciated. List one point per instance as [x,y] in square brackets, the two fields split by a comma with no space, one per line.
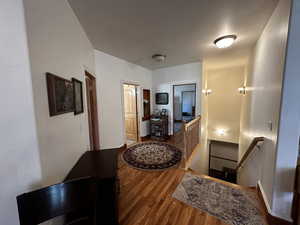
[131,113]
[184,105]
[91,96]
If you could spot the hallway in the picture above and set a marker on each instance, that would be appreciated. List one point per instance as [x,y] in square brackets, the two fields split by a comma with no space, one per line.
[242,57]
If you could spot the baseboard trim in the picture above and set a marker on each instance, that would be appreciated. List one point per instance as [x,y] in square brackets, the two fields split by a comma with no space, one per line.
[263,197]
[274,220]
[123,147]
[145,138]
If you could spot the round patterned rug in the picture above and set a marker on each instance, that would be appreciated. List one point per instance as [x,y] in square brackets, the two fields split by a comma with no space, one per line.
[152,156]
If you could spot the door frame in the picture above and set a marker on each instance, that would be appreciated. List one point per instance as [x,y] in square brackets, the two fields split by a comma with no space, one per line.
[173,98]
[137,97]
[93,121]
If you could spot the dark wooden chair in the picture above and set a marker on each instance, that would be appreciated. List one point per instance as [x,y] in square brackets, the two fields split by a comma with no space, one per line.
[73,200]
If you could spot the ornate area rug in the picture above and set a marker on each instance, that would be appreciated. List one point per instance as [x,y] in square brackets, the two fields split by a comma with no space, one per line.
[152,156]
[233,206]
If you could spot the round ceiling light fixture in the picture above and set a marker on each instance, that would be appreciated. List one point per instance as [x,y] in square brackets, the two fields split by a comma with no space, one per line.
[159,57]
[225,41]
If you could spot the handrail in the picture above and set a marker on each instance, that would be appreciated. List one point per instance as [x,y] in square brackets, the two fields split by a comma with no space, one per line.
[190,123]
[191,138]
[250,149]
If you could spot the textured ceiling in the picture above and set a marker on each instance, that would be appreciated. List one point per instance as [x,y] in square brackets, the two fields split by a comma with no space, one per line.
[134,30]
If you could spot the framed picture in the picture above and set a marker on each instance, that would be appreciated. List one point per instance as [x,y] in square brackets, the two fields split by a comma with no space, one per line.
[60,95]
[78,97]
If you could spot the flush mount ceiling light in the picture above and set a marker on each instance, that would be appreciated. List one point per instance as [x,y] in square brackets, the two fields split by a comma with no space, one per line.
[225,41]
[159,57]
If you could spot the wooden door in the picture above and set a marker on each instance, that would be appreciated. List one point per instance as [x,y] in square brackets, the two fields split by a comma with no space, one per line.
[130,110]
[91,96]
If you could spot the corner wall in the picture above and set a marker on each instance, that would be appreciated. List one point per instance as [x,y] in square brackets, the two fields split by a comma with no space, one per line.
[261,106]
[111,73]
[19,156]
[57,44]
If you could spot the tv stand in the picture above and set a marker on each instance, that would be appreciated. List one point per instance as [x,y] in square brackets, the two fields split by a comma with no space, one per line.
[159,128]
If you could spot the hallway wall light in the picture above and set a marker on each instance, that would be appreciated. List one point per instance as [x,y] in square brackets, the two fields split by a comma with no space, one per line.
[221,132]
[207,91]
[242,90]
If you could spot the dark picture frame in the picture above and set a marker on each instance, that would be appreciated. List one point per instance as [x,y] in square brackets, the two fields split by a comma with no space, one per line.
[78,96]
[60,95]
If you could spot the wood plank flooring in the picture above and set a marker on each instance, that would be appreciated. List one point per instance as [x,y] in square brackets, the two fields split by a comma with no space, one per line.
[146,199]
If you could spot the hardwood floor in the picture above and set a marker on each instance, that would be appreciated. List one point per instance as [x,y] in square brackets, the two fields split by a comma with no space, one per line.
[146,199]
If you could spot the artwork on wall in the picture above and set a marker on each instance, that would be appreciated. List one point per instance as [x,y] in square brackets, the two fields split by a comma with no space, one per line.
[60,95]
[78,98]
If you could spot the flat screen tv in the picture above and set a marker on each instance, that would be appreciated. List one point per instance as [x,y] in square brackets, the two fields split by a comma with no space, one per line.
[162,98]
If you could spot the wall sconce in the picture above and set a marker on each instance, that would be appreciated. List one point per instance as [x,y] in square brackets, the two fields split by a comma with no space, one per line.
[221,132]
[207,92]
[242,90]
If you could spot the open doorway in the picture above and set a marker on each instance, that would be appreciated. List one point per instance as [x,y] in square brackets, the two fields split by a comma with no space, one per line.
[131,113]
[91,96]
[184,104]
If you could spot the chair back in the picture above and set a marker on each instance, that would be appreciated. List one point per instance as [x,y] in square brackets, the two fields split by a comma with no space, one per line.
[75,199]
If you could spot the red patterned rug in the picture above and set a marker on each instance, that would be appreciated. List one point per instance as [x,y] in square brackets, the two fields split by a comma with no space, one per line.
[152,156]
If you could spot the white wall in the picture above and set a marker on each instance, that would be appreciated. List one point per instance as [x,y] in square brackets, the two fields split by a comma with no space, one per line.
[111,73]
[164,79]
[19,156]
[289,125]
[262,106]
[57,44]
[224,103]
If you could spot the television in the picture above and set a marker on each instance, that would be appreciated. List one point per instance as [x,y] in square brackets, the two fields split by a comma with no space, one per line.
[162,98]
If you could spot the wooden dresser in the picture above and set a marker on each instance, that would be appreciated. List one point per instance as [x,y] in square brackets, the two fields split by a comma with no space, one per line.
[159,128]
[102,166]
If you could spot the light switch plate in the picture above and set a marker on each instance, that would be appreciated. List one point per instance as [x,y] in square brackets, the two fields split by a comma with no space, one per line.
[270,125]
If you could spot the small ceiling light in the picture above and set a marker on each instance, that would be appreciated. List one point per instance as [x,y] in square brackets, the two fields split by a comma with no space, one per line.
[225,41]
[159,57]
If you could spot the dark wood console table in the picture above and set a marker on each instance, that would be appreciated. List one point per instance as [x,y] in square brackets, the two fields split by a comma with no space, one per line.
[159,128]
[102,166]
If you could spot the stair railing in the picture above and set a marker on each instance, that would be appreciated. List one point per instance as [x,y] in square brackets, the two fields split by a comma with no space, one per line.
[191,138]
[250,149]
